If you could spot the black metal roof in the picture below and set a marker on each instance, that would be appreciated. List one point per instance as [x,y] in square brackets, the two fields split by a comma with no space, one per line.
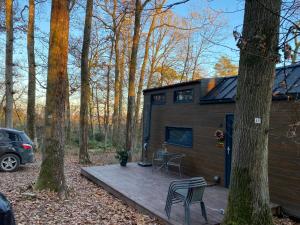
[173,85]
[225,91]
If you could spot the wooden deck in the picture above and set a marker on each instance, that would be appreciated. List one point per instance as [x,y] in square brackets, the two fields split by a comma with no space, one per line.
[147,191]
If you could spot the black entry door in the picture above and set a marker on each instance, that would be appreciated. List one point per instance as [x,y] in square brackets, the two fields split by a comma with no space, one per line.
[228,147]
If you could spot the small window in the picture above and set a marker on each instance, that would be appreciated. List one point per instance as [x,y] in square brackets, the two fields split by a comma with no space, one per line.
[158,99]
[4,136]
[13,137]
[179,136]
[8,136]
[183,96]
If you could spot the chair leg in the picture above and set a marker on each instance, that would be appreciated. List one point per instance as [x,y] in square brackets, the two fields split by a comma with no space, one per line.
[179,170]
[187,214]
[168,209]
[203,210]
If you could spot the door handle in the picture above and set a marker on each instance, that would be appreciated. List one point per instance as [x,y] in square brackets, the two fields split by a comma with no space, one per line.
[228,150]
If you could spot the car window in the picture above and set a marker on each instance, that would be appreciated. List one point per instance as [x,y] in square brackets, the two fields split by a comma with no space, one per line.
[13,136]
[4,137]
[25,137]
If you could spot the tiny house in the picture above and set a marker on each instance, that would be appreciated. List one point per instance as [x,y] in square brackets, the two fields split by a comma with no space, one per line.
[187,115]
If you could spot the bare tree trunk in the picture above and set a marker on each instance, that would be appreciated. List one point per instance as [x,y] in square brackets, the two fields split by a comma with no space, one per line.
[153,60]
[85,85]
[122,77]
[91,105]
[51,175]
[116,30]
[132,71]
[31,74]
[98,110]
[248,202]
[143,70]
[107,111]
[9,101]
[68,113]
[184,71]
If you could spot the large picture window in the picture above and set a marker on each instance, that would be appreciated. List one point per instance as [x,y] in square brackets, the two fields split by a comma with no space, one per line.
[158,99]
[183,96]
[179,136]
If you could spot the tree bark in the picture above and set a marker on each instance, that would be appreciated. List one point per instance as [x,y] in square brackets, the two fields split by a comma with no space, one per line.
[91,113]
[107,106]
[116,30]
[9,101]
[68,113]
[122,77]
[85,85]
[143,70]
[248,202]
[132,71]
[51,175]
[31,74]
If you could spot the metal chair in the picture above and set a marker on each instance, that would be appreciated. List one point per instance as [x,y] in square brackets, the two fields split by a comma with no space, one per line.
[158,159]
[188,191]
[175,161]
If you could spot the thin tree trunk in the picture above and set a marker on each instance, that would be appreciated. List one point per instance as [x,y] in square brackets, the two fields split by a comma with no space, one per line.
[9,101]
[51,175]
[91,112]
[153,60]
[85,85]
[31,74]
[248,202]
[132,71]
[106,118]
[297,47]
[122,77]
[143,70]
[68,113]
[184,71]
[116,30]
[98,110]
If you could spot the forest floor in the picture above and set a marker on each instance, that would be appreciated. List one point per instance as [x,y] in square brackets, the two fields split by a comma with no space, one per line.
[87,203]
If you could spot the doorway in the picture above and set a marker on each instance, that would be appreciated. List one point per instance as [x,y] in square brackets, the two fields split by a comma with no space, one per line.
[228,147]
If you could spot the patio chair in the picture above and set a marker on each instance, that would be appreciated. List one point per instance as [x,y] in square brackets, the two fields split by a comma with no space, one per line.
[188,191]
[175,161]
[158,159]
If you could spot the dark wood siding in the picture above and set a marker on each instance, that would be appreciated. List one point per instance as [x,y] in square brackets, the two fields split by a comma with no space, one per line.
[206,159]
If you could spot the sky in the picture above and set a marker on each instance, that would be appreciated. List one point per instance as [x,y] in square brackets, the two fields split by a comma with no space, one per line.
[232,12]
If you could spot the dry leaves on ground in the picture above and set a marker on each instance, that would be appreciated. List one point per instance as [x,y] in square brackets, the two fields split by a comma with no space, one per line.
[87,203]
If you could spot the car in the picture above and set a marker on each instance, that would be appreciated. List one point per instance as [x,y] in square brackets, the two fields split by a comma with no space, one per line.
[16,148]
[6,212]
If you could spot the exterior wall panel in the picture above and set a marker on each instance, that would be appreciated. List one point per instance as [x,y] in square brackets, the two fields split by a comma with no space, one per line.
[205,159]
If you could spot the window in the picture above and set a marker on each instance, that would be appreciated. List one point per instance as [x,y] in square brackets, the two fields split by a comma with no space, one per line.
[183,96]
[158,99]
[4,136]
[8,136]
[179,136]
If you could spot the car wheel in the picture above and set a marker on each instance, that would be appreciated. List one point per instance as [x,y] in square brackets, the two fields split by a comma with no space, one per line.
[9,163]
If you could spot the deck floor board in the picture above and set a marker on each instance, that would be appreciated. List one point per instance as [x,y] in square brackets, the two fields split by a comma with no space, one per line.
[147,191]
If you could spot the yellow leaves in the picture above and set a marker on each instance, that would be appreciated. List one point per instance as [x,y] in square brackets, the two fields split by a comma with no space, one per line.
[224,67]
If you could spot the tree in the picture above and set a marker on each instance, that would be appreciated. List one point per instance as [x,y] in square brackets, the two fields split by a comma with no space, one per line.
[52,169]
[9,101]
[31,73]
[144,64]
[132,71]
[248,202]
[224,67]
[85,85]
